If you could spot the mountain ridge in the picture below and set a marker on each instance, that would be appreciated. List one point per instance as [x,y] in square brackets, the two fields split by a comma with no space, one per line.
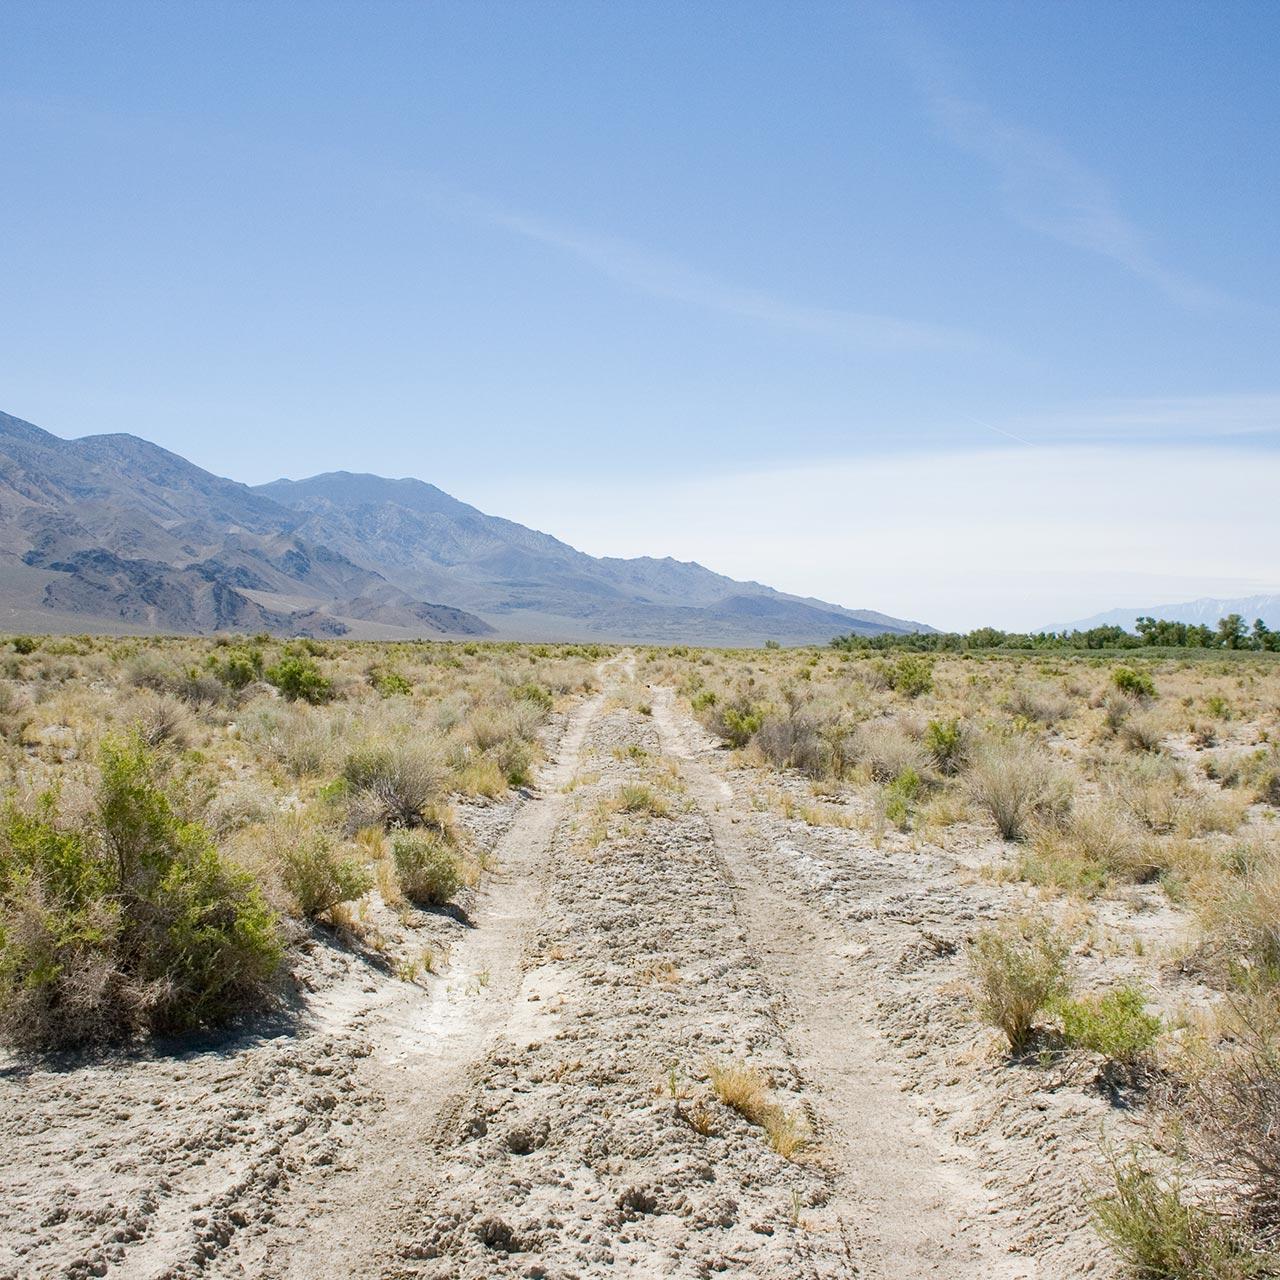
[116,531]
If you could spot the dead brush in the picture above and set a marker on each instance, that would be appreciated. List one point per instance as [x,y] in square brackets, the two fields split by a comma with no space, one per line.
[1018,784]
[1038,704]
[888,751]
[744,1089]
[1236,1116]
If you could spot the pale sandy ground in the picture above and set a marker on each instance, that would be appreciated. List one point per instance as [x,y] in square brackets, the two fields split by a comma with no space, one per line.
[526,1111]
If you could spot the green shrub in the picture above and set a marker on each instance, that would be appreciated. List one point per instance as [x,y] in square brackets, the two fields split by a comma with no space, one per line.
[1116,1025]
[737,722]
[899,796]
[135,925]
[25,644]
[1138,684]
[299,679]
[533,693]
[427,866]
[947,742]
[1017,969]
[238,668]
[318,877]
[911,675]
[703,701]
[1159,1235]
[389,683]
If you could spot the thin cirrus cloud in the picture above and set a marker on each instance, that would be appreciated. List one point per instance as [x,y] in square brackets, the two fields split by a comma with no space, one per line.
[1247,418]
[661,276]
[1049,190]
[1043,185]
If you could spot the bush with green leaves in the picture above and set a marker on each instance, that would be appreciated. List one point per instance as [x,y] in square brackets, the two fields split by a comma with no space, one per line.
[533,693]
[1017,969]
[910,675]
[299,679]
[1138,684]
[25,644]
[948,743]
[900,795]
[132,922]
[427,865]
[238,667]
[736,720]
[1160,1234]
[318,876]
[1115,1025]
[390,683]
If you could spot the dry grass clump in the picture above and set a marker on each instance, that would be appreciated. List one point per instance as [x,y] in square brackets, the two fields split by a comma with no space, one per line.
[636,797]
[1096,846]
[1143,732]
[745,1090]
[393,785]
[1018,785]
[1038,704]
[797,741]
[888,751]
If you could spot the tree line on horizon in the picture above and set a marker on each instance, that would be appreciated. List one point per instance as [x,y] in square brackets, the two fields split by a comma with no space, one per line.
[1232,632]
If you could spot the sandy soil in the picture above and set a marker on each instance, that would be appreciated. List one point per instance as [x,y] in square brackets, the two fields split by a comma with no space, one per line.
[540,1107]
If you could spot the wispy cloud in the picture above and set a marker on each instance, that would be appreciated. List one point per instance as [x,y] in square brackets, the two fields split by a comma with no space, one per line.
[661,276]
[1251,418]
[1009,536]
[1042,184]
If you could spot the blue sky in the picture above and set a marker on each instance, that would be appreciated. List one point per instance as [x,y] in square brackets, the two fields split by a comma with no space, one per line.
[964,312]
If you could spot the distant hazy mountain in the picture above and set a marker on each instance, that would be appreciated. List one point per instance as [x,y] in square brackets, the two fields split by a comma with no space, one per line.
[1206,611]
[111,532]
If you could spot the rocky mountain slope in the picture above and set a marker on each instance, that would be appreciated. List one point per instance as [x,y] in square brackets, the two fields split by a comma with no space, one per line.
[112,532]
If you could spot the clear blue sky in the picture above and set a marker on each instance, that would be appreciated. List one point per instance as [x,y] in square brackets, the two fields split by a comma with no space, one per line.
[930,308]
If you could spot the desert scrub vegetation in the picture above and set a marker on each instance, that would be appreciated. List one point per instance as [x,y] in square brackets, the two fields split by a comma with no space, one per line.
[1018,970]
[1125,803]
[175,809]
[124,918]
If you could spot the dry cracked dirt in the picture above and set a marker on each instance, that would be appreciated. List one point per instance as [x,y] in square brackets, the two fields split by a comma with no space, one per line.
[541,1105]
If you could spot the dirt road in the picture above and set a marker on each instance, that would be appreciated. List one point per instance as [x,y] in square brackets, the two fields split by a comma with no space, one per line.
[543,1106]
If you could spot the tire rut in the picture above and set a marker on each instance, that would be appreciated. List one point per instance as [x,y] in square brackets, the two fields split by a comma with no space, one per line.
[424,1057]
[907,1207]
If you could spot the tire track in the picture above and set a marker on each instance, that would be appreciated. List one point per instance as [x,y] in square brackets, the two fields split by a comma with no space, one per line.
[907,1209]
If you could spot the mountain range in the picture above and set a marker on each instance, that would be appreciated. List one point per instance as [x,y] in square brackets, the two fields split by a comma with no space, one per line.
[1206,610]
[113,533]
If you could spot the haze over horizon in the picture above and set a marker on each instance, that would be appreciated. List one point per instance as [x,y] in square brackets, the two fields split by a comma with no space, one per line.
[964,315]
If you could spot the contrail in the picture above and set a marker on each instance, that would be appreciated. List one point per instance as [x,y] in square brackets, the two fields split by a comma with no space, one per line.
[1001,430]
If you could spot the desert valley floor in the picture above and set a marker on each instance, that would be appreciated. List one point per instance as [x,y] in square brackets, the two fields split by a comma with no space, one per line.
[536,1100]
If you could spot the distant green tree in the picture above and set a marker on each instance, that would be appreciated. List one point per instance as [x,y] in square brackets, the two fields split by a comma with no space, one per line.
[1231,632]
[1264,637]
